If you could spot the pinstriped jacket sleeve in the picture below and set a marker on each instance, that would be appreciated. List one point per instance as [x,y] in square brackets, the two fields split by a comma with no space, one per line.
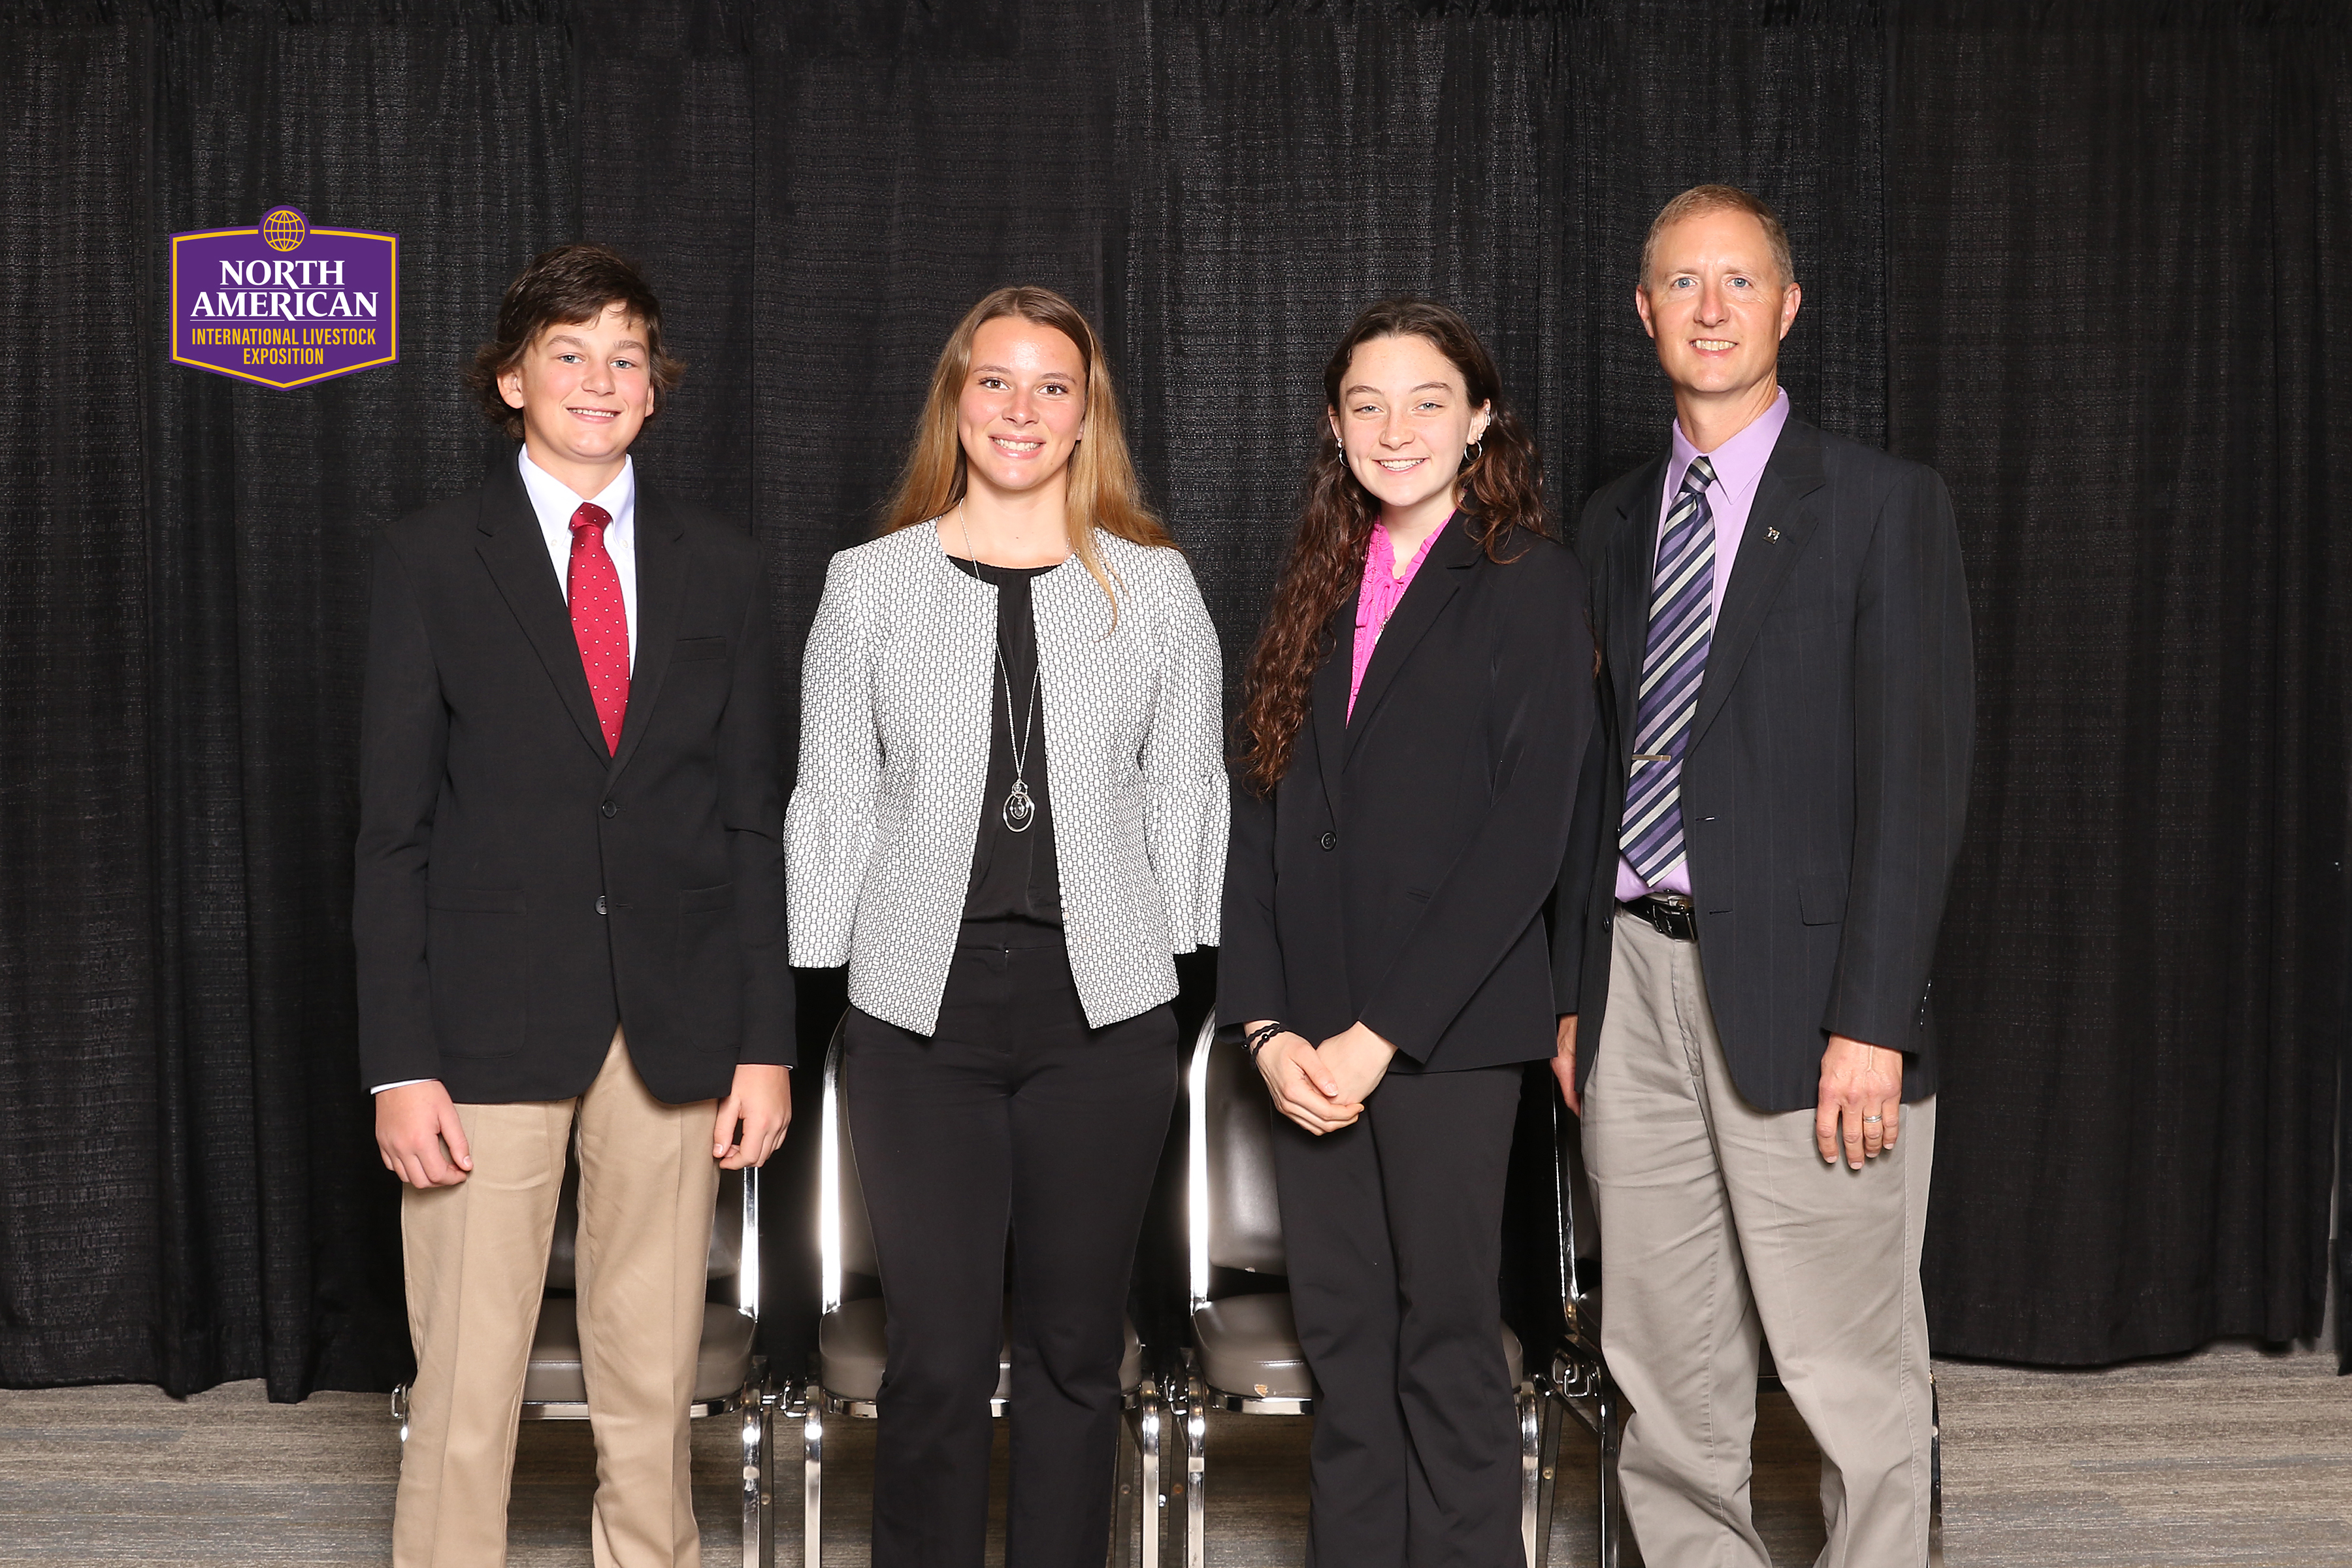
[1188,796]
[830,826]
[1914,722]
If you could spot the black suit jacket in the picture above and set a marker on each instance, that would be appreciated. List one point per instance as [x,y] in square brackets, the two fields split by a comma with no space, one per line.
[1827,777]
[519,891]
[1397,876]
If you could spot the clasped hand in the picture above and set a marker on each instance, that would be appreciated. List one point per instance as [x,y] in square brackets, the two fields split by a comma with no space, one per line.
[1323,1087]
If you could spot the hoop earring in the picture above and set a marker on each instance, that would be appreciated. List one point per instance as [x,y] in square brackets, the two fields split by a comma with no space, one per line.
[1475,450]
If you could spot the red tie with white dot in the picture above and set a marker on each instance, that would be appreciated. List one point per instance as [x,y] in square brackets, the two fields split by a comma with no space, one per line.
[599,620]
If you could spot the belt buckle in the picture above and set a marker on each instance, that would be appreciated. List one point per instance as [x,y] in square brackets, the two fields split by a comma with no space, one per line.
[1672,916]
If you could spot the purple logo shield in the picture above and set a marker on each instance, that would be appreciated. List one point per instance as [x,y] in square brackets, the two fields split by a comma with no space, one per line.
[283,303]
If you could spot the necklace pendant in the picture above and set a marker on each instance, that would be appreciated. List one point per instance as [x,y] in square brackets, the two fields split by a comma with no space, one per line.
[1020,811]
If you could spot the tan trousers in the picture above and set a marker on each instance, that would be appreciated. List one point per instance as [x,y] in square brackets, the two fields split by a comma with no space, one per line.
[1720,1224]
[477,1265]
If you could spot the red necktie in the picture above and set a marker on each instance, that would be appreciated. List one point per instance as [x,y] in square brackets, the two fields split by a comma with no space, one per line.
[599,620]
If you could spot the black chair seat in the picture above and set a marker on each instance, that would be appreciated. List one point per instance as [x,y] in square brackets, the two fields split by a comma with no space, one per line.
[1248,1346]
[852,1344]
[554,1377]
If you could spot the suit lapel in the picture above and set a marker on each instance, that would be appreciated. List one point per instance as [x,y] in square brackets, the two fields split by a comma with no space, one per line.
[516,553]
[1764,563]
[661,592]
[1331,702]
[1633,566]
[1441,577]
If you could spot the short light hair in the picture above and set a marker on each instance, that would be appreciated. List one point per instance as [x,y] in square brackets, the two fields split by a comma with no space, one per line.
[1701,199]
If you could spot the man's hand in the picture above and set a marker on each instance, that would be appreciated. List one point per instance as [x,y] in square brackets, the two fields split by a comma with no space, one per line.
[761,1102]
[1302,1083]
[1357,1059]
[1862,1086]
[412,1124]
[1563,1062]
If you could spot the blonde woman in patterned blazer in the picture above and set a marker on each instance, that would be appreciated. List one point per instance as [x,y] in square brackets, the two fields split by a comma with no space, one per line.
[1011,815]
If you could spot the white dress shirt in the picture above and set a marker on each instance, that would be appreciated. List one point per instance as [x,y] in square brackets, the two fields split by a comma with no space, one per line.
[554,503]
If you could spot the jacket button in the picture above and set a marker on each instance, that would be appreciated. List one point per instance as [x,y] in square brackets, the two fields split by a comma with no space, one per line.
[599,903]
[609,809]
[1329,840]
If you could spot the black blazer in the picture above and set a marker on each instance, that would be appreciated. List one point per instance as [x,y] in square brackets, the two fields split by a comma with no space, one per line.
[1397,876]
[1827,777]
[519,891]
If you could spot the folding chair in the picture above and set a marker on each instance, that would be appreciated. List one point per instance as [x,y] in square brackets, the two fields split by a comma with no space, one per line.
[728,1379]
[1245,1355]
[852,1349]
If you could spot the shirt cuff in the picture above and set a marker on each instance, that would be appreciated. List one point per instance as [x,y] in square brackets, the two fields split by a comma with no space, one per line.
[404,1083]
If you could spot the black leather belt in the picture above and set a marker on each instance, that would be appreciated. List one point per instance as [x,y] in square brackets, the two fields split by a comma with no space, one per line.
[1668,914]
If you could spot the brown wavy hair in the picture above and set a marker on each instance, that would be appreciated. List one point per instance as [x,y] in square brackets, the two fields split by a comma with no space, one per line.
[1103,492]
[565,287]
[1501,496]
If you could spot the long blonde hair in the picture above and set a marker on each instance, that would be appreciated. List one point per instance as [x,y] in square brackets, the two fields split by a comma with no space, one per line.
[1103,493]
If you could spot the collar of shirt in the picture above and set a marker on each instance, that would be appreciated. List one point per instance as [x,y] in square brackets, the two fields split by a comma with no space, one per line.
[1739,462]
[553,503]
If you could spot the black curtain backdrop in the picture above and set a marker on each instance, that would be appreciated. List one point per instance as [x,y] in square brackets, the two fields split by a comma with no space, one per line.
[2084,272]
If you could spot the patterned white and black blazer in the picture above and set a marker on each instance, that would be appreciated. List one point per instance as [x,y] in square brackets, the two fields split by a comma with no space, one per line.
[896,706]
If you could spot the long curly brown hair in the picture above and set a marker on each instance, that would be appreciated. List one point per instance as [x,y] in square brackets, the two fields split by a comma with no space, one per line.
[1501,496]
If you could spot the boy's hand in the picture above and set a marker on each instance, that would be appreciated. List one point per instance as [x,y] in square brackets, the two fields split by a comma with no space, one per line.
[762,1102]
[412,1124]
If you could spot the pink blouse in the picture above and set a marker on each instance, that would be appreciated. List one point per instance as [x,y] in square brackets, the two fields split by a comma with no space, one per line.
[1384,589]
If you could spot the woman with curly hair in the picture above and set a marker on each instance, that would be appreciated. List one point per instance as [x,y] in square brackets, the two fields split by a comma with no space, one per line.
[1416,713]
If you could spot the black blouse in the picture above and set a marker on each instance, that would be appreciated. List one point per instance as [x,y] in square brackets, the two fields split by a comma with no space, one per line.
[1014,874]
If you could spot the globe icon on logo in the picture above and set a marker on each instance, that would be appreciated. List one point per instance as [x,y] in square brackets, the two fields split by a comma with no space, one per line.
[284,229]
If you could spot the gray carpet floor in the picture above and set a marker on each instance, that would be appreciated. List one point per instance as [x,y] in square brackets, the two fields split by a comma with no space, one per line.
[2231,1456]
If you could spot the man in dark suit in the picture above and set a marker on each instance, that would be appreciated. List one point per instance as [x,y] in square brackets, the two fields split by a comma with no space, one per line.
[1748,912]
[569,912]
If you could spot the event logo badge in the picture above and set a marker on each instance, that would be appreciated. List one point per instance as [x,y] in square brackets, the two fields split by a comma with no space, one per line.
[283,303]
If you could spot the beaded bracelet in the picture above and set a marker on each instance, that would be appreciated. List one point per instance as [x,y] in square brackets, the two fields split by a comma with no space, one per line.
[1260,1036]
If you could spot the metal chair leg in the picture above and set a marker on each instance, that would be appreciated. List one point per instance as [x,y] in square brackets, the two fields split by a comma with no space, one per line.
[812,1479]
[1934,1475]
[1612,1502]
[1531,1469]
[1196,1468]
[1122,1495]
[755,1471]
[1150,1425]
[1555,1415]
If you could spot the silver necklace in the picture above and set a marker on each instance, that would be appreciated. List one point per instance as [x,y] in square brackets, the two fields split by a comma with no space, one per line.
[1019,809]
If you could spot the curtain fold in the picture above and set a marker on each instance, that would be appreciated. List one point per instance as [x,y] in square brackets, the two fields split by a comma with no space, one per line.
[2115,339]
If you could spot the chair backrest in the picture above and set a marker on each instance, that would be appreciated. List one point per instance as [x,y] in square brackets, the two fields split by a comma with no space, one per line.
[734,1235]
[844,1234]
[1233,1217]
[1579,1221]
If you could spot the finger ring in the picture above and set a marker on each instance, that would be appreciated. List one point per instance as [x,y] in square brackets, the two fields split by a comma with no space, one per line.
[1867,1119]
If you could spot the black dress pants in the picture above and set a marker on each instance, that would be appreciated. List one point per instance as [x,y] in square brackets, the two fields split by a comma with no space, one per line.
[1393,1228]
[1013,1116]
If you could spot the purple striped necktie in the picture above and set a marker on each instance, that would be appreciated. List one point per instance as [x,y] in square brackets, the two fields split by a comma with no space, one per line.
[1682,623]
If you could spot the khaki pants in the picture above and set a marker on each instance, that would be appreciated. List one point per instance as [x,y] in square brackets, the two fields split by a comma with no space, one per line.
[477,1265]
[1721,1224]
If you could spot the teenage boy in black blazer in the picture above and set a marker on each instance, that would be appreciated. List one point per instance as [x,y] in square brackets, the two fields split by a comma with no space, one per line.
[569,909]
[1748,912]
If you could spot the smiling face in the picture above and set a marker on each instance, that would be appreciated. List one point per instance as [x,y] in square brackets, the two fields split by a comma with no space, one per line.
[1718,306]
[1403,420]
[1023,407]
[585,389]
